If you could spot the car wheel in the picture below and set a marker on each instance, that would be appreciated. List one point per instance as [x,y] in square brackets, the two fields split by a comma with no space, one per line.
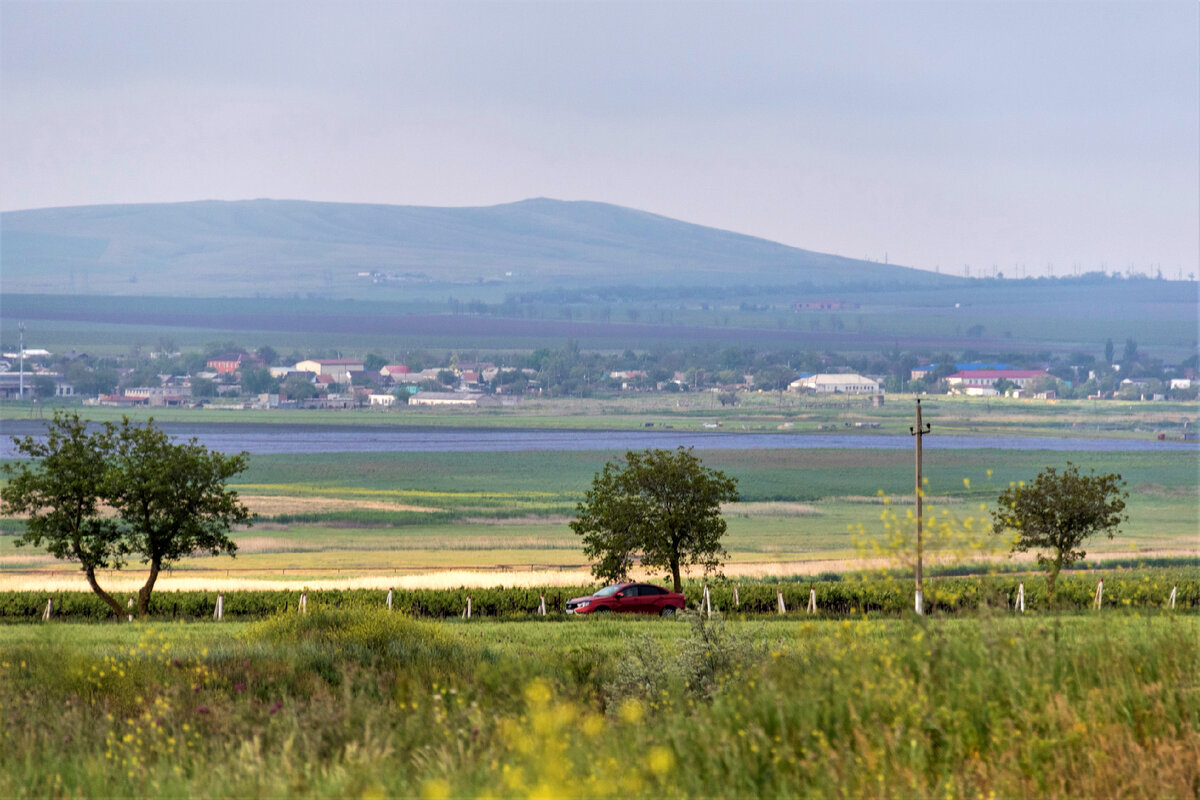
[668,611]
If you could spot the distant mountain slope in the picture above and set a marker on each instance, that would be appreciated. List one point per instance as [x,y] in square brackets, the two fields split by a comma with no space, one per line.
[279,247]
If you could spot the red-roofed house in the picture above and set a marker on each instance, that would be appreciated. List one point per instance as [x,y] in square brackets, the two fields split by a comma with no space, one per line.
[230,362]
[982,382]
[394,369]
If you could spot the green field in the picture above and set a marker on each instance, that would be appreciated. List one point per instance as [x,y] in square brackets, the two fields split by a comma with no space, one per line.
[371,704]
[490,510]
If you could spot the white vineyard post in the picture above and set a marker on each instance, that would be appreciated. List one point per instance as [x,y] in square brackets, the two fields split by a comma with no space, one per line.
[782,607]
[1171,601]
[812,600]
[50,607]
[1099,594]
[304,602]
[1021,597]
[219,611]
[542,606]
[467,610]
[707,602]
[389,600]
[129,607]
[736,601]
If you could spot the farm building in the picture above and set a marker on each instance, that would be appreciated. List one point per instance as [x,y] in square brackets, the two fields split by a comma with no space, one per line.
[982,382]
[337,368]
[471,399]
[835,383]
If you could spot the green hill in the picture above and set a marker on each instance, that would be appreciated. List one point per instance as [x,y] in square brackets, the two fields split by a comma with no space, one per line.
[281,247]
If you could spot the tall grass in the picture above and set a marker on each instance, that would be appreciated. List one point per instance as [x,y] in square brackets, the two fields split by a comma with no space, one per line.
[343,704]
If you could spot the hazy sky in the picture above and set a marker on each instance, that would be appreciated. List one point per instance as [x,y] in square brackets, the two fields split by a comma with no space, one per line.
[940,134]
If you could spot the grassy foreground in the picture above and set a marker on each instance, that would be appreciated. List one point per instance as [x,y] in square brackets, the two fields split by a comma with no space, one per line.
[341,703]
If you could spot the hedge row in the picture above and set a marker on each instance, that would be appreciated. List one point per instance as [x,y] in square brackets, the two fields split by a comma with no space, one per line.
[834,598]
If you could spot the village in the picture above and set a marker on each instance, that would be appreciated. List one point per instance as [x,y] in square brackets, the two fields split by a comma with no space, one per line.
[264,379]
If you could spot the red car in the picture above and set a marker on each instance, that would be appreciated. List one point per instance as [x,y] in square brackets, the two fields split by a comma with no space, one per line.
[635,598]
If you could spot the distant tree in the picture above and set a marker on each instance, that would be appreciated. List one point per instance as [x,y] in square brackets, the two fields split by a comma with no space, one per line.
[975,332]
[1130,355]
[1108,351]
[663,505]
[44,387]
[257,380]
[1004,386]
[447,377]
[145,375]
[267,355]
[374,362]
[1057,511]
[171,498]
[727,398]
[203,387]
[773,379]
[298,387]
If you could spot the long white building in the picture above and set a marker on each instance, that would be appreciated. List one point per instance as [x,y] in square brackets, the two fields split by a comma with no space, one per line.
[835,383]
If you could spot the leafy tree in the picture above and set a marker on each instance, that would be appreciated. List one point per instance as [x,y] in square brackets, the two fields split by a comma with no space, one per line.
[1004,386]
[62,491]
[258,380]
[203,387]
[172,498]
[298,387]
[1130,355]
[663,505]
[1057,511]
[374,362]
[44,387]
[1108,351]
[267,355]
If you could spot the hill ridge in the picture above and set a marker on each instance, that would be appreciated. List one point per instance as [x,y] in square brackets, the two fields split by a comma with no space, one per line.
[275,246]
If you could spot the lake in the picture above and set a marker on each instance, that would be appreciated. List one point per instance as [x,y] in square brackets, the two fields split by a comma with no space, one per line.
[264,439]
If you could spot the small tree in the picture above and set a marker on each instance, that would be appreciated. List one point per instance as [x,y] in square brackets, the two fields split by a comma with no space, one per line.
[62,494]
[1057,512]
[663,505]
[172,498]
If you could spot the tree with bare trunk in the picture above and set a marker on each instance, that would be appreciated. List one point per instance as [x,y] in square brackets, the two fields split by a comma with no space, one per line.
[61,494]
[172,498]
[1054,513]
[99,497]
[662,506]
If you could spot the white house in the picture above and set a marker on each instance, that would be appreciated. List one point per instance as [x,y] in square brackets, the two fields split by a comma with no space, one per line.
[982,382]
[382,399]
[835,383]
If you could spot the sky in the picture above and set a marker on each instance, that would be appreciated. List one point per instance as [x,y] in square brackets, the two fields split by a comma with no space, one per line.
[1026,138]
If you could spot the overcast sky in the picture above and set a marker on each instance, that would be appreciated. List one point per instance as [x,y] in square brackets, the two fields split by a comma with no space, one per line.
[938,135]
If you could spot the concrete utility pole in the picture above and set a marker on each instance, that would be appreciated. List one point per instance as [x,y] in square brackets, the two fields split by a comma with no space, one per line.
[21,349]
[919,432]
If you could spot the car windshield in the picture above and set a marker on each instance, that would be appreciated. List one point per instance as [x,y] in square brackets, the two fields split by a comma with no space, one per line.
[608,591]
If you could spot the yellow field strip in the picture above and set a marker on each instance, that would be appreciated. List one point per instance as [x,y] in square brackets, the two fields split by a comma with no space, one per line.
[510,575]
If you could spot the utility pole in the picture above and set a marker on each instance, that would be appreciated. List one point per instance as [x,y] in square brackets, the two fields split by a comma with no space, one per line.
[919,432]
[21,349]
